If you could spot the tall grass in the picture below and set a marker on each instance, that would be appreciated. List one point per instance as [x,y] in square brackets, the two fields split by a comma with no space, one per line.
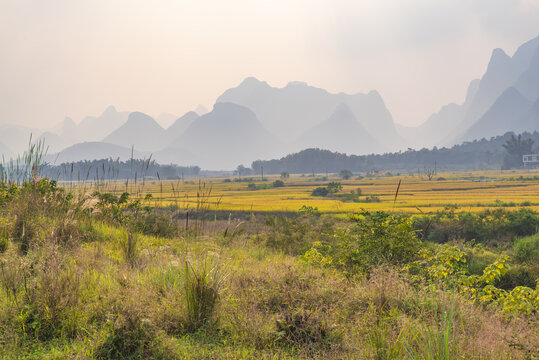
[438,341]
[25,167]
[202,287]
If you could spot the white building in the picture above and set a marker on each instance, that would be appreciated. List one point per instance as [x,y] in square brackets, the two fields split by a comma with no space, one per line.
[531,161]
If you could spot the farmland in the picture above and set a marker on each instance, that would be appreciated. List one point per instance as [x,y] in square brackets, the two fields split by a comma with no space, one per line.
[463,191]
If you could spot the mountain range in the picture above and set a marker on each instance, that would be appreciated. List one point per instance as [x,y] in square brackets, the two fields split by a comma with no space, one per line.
[504,99]
[255,120]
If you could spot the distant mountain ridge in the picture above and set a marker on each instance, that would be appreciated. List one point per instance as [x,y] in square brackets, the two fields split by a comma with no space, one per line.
[482,113]
[255,120]
[140,131]
[340,132]
[227,136]
[288,112]
[93,151]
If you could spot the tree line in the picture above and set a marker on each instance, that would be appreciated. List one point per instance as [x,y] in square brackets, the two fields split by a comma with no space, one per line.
[503,151]
[109,169]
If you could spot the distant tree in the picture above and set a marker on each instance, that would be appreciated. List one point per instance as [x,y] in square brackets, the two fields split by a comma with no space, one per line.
[285,175]
[515,147]
[320,191]
[429,173]
[345,174]
[278,183]
[243,171]
[334,187]
[251,186]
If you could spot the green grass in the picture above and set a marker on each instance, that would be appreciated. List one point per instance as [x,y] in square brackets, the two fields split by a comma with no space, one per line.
[80,282]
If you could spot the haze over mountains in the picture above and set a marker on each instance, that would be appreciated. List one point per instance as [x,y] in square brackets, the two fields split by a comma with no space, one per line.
[257,121]
[502,100]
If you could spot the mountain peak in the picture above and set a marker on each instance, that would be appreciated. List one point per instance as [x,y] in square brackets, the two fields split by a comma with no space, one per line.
[201,110]
[139,118]
[342,116]
[252,81]
[110,110]
[498,60]
[510,93]
[68,122]
[297,84]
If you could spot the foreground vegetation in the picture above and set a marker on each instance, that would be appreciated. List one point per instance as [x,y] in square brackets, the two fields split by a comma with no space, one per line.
[101,275]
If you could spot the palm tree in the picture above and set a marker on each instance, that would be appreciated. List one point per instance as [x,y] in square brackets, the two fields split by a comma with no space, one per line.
[515,147]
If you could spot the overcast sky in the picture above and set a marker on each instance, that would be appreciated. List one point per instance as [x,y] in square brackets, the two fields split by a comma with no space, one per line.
[75,57]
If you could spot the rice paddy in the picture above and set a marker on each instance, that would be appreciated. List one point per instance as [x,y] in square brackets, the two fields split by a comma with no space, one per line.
[462,191]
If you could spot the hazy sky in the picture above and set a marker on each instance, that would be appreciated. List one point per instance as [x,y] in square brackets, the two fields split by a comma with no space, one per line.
[75,57]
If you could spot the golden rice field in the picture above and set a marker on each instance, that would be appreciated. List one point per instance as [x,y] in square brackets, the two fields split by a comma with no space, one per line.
[463,191]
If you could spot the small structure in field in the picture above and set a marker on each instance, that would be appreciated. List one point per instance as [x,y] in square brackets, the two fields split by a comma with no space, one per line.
[531,161]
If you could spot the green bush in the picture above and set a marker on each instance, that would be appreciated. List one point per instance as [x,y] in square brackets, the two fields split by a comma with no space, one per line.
[517,276]
[320,191]
[375,238]
[334,187]
[278,183]
[526,249]
[158,225]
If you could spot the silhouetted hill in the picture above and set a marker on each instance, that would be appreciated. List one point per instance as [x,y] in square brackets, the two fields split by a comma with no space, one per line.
[140,131]
[530,120]
[54,142]
[179,126]
[501,117]
[95,128]
[179,156]
[227,136]
[288,112]
[440,128]
[340,132]
[16,137]
[92,151]
[521,71]
[528,82]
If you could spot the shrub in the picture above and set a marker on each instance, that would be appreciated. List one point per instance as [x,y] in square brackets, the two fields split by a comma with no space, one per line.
[517,276]
[376,238]
[320,191]
[345,174]
[302,329]
[334,187]
[157,224]
[291,236]
[278,183]
[251,186]
[371,198]
[306,210]
[526,249]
